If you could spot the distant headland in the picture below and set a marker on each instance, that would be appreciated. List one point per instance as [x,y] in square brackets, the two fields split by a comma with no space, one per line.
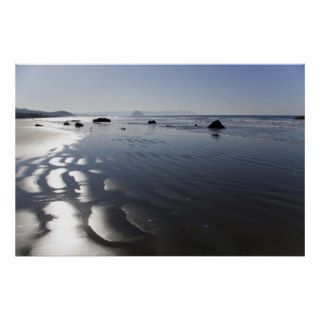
[27,113]
[137,114]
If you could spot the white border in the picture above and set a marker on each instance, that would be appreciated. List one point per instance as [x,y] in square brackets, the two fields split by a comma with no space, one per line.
[159,32]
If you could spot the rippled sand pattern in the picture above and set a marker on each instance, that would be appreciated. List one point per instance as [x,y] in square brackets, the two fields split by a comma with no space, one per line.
[54,179]
[30,184]
[160,191]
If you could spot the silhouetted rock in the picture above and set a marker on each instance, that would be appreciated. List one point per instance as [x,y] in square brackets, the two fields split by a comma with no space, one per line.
[216,125]
[151,122]
[78,125]
[123,128]
[101,120]
[299,117]
[137,114]
[38,125]
[195,125]
[67,123]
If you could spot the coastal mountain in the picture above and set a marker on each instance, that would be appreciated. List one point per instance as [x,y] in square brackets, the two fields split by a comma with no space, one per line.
[27,113]
[137,114]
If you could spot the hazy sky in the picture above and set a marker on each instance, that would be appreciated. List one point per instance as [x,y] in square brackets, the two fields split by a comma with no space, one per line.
[205,89]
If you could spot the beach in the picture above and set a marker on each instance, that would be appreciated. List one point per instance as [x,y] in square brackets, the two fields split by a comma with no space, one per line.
[172,188]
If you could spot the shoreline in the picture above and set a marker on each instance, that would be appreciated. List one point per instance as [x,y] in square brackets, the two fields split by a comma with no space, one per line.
[34,141]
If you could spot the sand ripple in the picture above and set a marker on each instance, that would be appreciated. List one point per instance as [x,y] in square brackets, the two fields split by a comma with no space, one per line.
[54,178]
[110,224]
[29,184]
[56,161]
[69,160]
[83,189]
[82,161]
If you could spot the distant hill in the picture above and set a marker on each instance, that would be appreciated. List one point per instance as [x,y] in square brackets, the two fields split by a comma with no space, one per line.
[27,113]
[137,114]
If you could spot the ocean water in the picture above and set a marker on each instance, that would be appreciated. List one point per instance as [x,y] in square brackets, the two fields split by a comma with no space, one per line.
[168,189]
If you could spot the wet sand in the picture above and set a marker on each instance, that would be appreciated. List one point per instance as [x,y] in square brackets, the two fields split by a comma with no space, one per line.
[151,190]
[34,141]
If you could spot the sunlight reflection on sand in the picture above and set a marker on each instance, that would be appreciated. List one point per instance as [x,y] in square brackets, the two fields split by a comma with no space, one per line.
[55,180]
[29,184]
[66,237]
[56,161]
[83,181]
[33,141]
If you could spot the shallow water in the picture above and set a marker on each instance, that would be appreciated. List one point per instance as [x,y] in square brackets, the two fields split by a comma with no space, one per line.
[167,189]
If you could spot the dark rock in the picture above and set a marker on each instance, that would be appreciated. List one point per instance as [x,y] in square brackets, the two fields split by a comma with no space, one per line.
[195,125]
[67,123]
[299,117]
[78,125]
[216,125]
[101,120]
[152,122]
[38,125]
[123,128]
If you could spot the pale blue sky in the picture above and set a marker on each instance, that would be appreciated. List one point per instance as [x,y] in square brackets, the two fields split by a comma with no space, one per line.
[205,89]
